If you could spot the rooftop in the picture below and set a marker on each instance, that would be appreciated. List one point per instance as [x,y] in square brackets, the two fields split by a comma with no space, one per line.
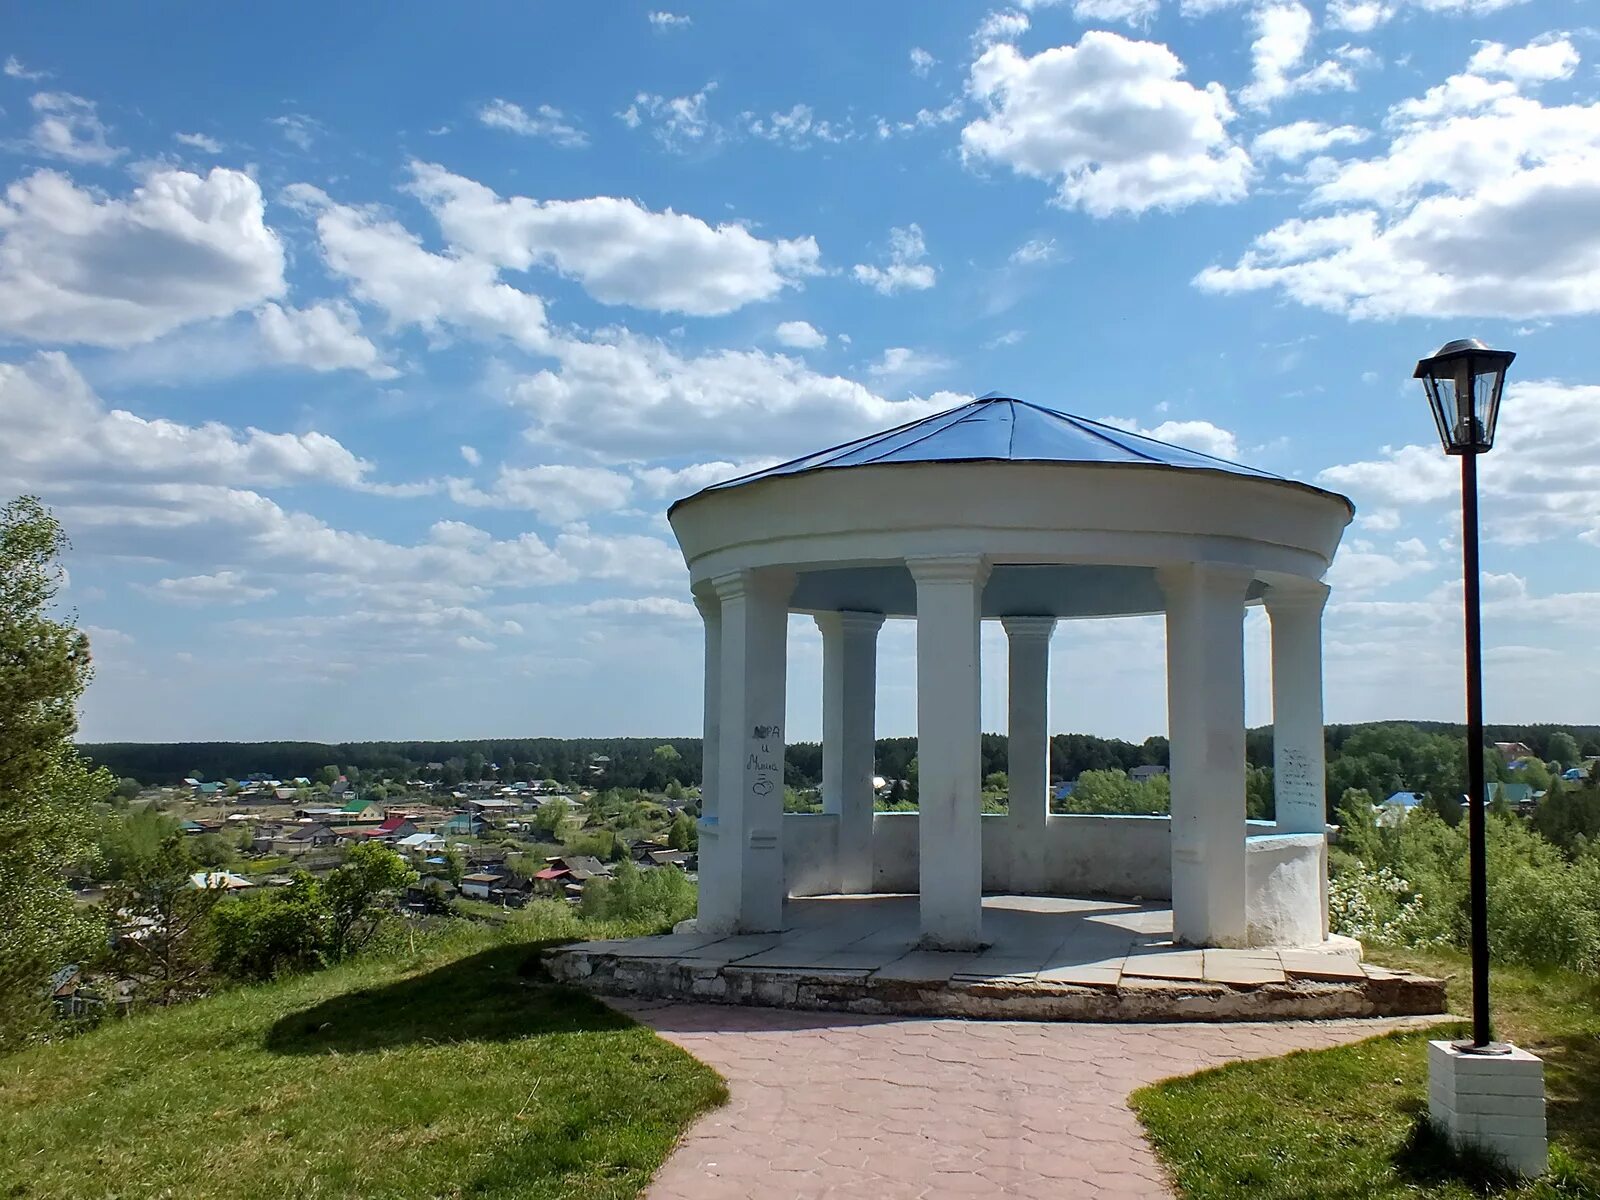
[996,428]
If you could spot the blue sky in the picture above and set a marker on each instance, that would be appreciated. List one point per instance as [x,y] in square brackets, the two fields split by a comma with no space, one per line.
[361,350]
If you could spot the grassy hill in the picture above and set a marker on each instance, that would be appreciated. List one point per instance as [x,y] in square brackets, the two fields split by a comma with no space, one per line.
[443,1070]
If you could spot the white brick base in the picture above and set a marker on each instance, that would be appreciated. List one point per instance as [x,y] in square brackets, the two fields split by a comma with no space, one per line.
[1490,1102]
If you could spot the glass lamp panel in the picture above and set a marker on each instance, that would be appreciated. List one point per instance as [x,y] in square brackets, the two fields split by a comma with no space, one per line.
[1488,378]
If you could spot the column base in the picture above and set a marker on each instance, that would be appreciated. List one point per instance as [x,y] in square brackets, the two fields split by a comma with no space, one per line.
[1490,1103]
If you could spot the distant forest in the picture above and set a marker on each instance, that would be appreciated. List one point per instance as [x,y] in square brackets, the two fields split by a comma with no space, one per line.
[642,763]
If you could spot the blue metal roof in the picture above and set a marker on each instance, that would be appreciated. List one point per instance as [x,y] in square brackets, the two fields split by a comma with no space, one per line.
[996,428]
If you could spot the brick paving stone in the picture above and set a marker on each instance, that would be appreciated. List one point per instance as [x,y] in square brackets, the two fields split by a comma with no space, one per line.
[825,1105]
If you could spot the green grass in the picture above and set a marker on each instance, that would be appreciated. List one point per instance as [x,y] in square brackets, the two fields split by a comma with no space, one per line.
[1350,1123]
[449,1070]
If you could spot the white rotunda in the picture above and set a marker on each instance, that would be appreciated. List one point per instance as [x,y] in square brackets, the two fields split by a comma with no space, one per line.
[1005,510]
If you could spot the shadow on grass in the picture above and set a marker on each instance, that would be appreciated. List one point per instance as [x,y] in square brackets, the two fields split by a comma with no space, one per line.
[1426,1158]
[497,995]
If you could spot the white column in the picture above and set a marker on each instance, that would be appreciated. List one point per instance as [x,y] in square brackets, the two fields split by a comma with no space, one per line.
[1205,719]
[755,629]
[719,891]
[1299,776]
[849,724]
[949,762]
[1028,747]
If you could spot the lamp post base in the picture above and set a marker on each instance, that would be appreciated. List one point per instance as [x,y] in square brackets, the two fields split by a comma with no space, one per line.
[1491,1101]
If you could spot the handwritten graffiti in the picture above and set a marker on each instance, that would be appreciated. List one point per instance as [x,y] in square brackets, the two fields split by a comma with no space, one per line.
[764,765]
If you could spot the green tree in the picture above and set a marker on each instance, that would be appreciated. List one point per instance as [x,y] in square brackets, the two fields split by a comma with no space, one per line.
[1563,748]
[129,789]
[262,936]
[46,790]
[683,835]
[161,917]
[328,775]
[359,893]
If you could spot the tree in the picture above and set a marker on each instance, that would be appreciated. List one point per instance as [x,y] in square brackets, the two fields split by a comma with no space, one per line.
[129,789]
[263,936]
[683,835]
[161,917]
[46,789]
[1563,748]
[328,775]
[358,894]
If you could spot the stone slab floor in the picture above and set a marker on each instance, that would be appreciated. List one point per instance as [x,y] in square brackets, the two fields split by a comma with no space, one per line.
[829,1105]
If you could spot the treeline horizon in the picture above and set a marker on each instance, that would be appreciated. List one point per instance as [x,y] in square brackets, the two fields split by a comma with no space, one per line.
[643,762]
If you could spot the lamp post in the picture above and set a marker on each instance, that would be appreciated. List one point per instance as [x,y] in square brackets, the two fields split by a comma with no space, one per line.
[1463,381]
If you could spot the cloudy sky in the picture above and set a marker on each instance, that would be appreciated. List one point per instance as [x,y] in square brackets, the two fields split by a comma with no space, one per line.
[362,353]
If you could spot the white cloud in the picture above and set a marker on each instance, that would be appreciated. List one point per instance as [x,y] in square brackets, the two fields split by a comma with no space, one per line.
[799,126]
[1283,35]
[69,128]
[54,430]
[324,337]
[76,266]
[627,397]
[1130,12]
[1541,482]
[223,587]
[901,364]
[472,645]
[676,482]
[199,141]
[471,457]
[545,122]
[921,62]
[298,129]
[680,123]
[1363,16]
[386,265]
[1481,205]
[619,251]
[667,20]
[800,335]
[1300,139]
[1540,61]
[1002,25]
[1109,118]
[1194,435]
[556,494]
[1035,251]
[903,268]
[1360,567]
[15,69]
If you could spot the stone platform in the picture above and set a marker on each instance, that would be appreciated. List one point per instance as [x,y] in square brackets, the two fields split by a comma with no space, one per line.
[1046,959]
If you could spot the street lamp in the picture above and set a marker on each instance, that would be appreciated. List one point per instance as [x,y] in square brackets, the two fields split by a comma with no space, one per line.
[1464,380]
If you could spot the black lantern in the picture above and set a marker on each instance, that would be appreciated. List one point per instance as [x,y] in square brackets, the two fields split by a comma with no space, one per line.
[1463,380]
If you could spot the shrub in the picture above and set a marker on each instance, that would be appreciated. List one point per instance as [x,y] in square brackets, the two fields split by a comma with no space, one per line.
[661,896]
[275,933]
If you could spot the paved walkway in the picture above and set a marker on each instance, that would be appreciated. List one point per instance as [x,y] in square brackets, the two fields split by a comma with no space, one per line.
[860,1108]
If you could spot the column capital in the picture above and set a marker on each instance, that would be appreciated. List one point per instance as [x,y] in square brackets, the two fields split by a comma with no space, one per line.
[949,568]
[1221,577]
[849,622]
[705,599]
[1029,629]
[770,583]
[1306,596]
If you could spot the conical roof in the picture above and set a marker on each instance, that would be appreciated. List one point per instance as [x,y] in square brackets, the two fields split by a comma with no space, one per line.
[997,428]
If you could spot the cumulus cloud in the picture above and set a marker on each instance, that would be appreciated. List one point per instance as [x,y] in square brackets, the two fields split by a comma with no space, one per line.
[199,141]
[679,123]
[1130,12]
[1481,205]
[223,587]
[619,251]
[1035,251]
[385,265]
[1193,435]
[1111,120]
[800,335]
[545,122]
[1301,139]
[15,69]
[1283,36]
[666,20]
[903,267]
[56,431]
[625,397]
[324,337]
[1542,482]
[1363,16]
[901,364]
[78,266]
[921,62]
[557,494]
[798,126]
[68,127]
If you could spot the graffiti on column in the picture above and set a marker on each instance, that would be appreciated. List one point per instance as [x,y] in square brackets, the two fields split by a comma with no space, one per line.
[764,766]
[1296,781]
